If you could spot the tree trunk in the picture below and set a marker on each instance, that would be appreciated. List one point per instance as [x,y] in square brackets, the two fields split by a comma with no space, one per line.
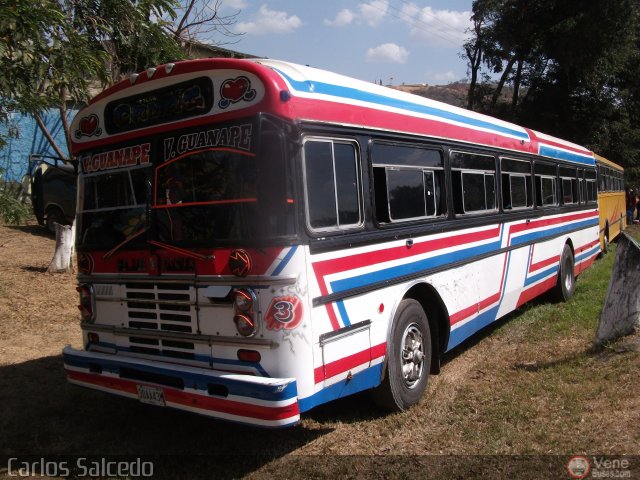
[503,80]
[63,257]
[475,57]
[516,85]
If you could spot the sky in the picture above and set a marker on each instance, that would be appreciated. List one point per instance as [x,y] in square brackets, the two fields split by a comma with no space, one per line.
[393,41]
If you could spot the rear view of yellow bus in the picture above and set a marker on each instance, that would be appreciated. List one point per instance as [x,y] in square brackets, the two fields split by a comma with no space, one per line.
[611,200]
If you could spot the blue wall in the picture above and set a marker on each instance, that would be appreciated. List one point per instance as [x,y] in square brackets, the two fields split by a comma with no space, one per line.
[14,157]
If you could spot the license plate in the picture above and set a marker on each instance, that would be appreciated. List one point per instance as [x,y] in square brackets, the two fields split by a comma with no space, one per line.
[151,395]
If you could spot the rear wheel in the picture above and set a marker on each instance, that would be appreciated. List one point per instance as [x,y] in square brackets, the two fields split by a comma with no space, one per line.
[566,283]
[55,215]
[408,359]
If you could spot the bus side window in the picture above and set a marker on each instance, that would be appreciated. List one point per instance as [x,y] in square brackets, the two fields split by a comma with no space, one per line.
[408,182]
[569,185]
[517,191]
[473,182]
[332,184]
[545,179]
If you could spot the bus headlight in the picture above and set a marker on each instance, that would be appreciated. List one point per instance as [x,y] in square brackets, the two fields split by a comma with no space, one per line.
[245,325]
[87,303]
[244,304]
[244,299]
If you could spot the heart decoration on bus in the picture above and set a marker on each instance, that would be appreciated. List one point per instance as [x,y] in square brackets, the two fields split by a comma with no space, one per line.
[88,126]
[234,90]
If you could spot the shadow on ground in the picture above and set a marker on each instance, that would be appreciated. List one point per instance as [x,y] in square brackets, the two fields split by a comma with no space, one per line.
[37,230]
[43,415]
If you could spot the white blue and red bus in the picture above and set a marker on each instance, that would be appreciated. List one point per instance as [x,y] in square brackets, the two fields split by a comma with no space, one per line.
[256,238]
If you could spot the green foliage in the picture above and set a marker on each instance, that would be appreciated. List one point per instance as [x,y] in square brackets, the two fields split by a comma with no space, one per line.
[12,210]
[572,67]
[52,50]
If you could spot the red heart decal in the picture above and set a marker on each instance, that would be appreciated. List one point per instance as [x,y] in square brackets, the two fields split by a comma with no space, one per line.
[89,124]
[234,90]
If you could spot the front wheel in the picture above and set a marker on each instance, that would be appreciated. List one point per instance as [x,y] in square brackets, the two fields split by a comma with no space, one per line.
[566,284]
[408,359]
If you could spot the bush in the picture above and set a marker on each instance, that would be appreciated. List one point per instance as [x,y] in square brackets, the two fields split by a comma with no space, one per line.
[12,211]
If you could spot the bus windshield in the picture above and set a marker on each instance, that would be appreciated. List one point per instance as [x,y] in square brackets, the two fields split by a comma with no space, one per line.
[207,197]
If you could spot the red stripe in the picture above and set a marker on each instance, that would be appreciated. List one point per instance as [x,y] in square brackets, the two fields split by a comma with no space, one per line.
[212,202]
[588,246]
[336,265]
[536,290]
[462,314]
[564,146]
[551,221]
[345,364]
[543,263]
[191,399]
[330,111]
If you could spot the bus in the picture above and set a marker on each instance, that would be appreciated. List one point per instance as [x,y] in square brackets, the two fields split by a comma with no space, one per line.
[611,200]
[256,238]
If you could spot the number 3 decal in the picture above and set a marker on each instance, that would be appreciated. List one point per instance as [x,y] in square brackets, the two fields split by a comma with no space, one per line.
[284,312]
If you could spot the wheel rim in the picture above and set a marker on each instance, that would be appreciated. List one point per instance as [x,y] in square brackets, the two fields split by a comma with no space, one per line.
[568,274]
[412,355]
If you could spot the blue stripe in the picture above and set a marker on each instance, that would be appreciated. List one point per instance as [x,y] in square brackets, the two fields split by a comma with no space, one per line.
[552,231]
[460,334]
[542,275]
[117,363]
[285,261]
[410,268]
[338,91]
[547,151]
[363,380]
[588,253]
[343,313]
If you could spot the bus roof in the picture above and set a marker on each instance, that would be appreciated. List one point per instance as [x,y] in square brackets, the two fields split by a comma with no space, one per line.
[601,160]
[302,93]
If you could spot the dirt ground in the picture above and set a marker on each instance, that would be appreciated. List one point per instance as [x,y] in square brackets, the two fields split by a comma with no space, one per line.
[43,415]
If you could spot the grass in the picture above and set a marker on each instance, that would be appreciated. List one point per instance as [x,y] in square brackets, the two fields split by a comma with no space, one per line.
[554,391]
[533,385]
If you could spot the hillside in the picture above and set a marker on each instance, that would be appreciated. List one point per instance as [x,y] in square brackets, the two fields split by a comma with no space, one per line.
[453,93]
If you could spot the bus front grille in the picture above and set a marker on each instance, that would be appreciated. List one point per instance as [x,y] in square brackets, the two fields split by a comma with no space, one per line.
[161,308]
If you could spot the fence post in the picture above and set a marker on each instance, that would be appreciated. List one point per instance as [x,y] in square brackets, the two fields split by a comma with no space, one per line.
[621,312]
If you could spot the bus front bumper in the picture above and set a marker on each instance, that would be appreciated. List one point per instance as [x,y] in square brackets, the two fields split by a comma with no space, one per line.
[260,401]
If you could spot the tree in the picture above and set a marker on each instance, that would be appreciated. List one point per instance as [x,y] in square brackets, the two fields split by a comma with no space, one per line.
[52,50]
[573,68]
[196,19]
[477,46]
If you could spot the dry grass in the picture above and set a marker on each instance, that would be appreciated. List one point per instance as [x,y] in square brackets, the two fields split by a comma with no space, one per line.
[532,385]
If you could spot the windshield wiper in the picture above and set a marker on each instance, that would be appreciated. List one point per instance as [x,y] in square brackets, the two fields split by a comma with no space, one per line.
[108,255]
[188,253]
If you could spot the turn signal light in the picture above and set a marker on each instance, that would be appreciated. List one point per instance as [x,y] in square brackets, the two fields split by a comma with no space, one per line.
[251,356]
[86,307]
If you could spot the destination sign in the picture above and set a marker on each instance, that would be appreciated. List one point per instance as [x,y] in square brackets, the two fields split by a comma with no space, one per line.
[176,102]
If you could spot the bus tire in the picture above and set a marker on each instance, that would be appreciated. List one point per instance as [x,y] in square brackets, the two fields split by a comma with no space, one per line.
[408,359]
[55,215]
[566,284]
[606,243]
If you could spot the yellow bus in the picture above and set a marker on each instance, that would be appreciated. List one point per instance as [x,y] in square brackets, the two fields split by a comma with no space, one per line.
[611,200]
